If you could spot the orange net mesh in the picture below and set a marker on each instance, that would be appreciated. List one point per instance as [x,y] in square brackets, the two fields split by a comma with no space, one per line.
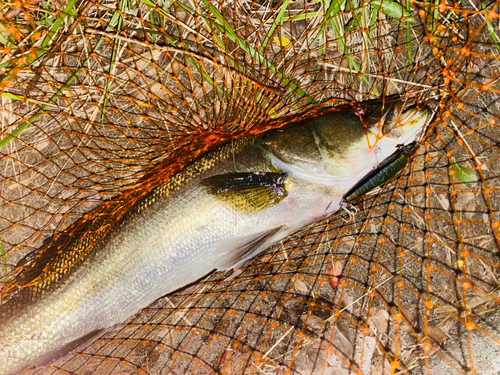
[102,101]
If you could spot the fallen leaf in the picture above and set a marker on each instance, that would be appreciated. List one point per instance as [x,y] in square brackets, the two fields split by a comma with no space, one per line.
[379,319]
[462,173]
[407,313]
[313,322]
[237,364]
[16,10]
[392,9]
[335,274]
[444,201]
[301,287]
[437,334]
[282,41]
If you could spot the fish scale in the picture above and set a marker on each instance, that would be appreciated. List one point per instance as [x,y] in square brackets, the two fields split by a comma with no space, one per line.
[216,214]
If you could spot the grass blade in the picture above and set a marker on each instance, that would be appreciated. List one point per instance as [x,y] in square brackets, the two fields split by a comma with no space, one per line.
[116,20]
[226,29]
[278,21]
[491,30]
[16,132]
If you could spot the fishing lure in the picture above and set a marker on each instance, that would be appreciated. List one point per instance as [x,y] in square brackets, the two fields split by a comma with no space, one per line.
[383,173]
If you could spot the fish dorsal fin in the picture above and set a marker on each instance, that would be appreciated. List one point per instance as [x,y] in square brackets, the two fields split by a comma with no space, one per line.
[55,249]
[236,251]
[248,192]
[34,264]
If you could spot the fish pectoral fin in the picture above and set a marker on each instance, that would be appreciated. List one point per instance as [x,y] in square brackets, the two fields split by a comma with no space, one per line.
[249,192]
[237,251]
[60,352]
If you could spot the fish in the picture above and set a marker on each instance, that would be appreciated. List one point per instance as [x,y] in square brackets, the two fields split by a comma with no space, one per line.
[216,214]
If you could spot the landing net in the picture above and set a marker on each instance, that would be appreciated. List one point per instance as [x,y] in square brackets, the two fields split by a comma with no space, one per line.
[102,101]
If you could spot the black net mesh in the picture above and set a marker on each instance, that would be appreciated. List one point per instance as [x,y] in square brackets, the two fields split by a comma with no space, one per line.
[102,101]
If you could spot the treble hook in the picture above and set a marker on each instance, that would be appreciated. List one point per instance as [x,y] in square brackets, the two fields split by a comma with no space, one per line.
[350,209]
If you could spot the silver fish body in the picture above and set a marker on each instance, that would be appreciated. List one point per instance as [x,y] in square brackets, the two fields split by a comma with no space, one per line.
[199,222]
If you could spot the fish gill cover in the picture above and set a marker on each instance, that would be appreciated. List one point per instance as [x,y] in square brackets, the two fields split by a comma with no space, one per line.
[102,101]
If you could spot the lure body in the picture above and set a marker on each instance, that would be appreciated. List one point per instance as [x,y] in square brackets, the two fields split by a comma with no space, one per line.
[216,214]
[385,171]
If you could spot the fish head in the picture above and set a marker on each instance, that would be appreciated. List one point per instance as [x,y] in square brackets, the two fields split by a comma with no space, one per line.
[399,126]
[395,126]
[339,148]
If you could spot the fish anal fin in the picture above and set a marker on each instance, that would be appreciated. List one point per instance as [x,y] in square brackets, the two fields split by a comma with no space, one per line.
[236,251]
[247,192]
[72,346]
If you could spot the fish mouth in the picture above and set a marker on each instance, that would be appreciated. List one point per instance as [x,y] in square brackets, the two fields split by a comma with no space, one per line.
[422,116]
[410,125]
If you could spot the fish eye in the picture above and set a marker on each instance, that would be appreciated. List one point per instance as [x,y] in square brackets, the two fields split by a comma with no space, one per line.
[368,111]
[373,114]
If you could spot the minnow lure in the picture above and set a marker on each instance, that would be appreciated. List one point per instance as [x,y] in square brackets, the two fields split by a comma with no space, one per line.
[383,173]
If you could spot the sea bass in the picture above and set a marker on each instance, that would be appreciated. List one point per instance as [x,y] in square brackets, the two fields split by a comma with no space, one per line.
[216,214]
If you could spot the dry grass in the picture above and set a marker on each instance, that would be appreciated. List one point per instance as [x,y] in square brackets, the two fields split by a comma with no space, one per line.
[94,104]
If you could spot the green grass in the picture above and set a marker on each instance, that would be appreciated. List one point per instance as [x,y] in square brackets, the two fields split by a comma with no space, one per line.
[365,15]
[23,126]
[53,28]
[3,257]
[489,25]
[116,22]
[215,20]
[53,31]
[278,21]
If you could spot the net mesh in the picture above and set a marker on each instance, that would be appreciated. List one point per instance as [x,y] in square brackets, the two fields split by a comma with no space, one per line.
[102,101]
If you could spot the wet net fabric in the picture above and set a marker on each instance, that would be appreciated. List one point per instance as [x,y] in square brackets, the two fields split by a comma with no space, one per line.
[102,101]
